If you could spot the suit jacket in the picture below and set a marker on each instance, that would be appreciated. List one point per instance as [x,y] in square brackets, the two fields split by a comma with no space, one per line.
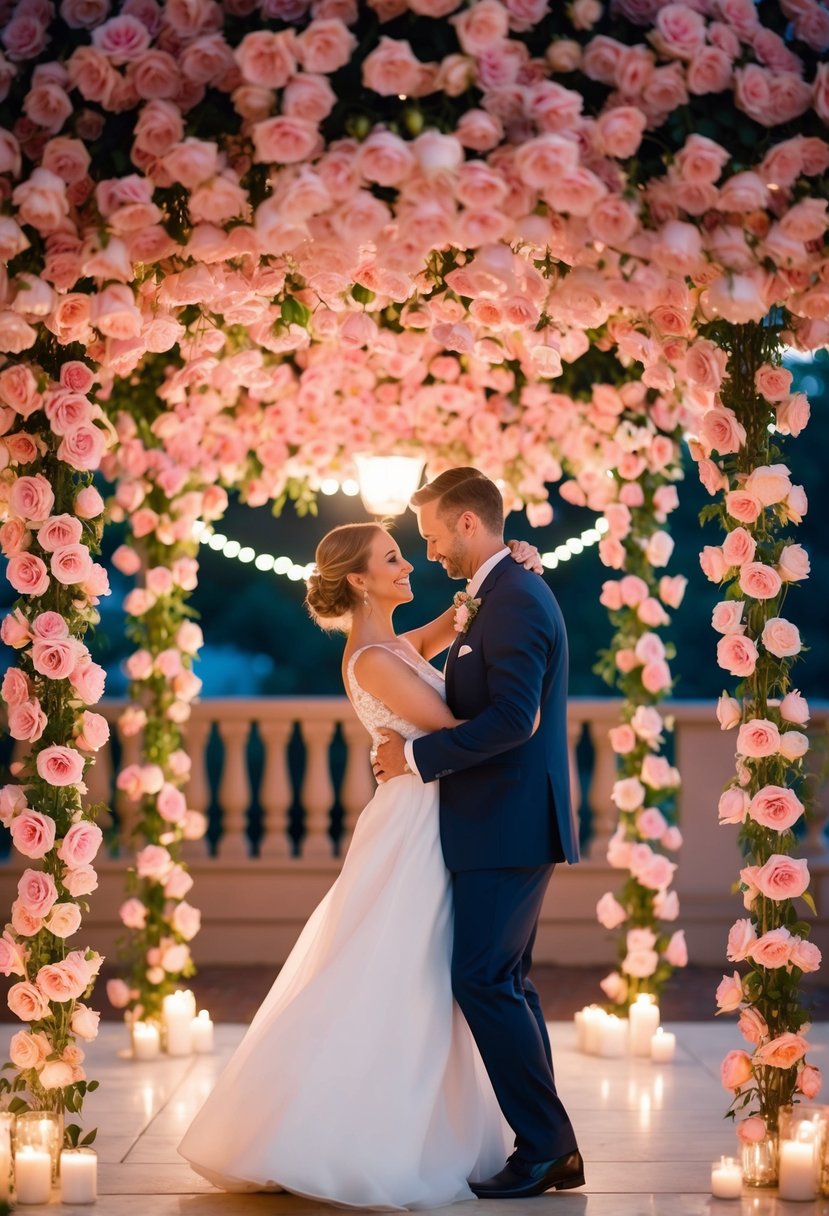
[504,791]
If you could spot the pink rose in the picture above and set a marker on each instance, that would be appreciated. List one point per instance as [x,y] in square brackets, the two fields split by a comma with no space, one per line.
[133,914]
[94,732]
[738,547]
[769,483]
[782,877]
[772,949]
[27,720]
[27,574]
[640,963]
[615,987]
[793,564]
[37,892]
[780,637]
[793,414]
[27,1002]
[60,766]
[186,921]
[56,658]
[84,1022]
[727,617]
[622,739]
[741,938]
[178,883]
[775,807]
[481,27]
[64,920]
[16,688]
[58,531]
[83,446]
[620,129]
[733,805]
[33,833]
[18,389]
[628,794]
[676,952]
[154,862]
[609,912]
[325,45]
[794,708]
[656,873]
[28,1050]
[742,506]
[285,140]
[59,982]
[760,582]
[758,738]
[80,845]
[71,564]
[809,1081]
[672,589]
[659,548]
[32,498]
[88,680]
[782,1052]
[82,881]
[773,382]
[713,563]
[752,1026]
[88,503]
[793,744]
[751,1130]
[729,993]
[721,431]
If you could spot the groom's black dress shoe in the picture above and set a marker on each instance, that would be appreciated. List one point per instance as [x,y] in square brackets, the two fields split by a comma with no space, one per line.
[521,1180]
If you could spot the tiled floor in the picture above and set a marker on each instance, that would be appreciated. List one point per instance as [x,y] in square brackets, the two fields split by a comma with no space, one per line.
[648,1133]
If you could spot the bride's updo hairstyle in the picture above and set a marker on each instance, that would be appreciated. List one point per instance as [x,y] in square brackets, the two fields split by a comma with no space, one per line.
[344,550]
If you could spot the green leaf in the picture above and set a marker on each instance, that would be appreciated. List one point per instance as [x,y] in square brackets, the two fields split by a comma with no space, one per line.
[809,901]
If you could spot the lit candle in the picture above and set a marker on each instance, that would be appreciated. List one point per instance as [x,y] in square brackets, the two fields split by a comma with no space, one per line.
[663,1046]
[644,1020]
[579,1019]
[613,1036]
[726,1179]
[78,1175]
[5,1159]
[179,1010]
[594,1016]
[201,1032]
[146,1041]
[32,1175]
[798,1164]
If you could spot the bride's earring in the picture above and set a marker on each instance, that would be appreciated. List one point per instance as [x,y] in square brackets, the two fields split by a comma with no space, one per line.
[366,603]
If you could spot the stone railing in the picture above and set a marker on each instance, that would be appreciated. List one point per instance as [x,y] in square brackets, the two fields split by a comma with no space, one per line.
[283,780]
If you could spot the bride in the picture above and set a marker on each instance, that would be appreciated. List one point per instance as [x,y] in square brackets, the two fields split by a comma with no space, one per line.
[358,1081]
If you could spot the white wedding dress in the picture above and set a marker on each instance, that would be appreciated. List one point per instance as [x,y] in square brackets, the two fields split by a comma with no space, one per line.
[358,1081]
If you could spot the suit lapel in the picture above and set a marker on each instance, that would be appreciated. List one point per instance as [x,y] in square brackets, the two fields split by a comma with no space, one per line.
[484,590]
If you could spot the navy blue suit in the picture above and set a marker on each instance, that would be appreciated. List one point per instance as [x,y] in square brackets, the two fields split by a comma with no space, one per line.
[505,820]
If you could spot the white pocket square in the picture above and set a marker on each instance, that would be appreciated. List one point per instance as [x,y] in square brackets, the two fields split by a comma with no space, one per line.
[464,650]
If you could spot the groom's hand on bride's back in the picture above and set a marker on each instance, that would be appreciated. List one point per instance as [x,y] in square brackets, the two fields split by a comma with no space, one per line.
[526,555]
[388,758]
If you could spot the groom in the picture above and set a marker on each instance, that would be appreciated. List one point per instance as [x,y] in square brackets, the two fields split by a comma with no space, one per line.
[505,815]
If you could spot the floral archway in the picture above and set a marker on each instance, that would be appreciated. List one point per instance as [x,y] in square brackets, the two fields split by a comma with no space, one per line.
[243,243]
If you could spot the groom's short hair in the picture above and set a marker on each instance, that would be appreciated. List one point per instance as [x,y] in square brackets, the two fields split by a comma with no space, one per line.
[464,489]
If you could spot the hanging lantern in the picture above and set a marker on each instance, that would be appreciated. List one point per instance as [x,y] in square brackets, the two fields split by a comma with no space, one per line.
[388,482]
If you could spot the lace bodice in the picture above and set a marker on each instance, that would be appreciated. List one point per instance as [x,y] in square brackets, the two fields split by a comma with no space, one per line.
[371,711]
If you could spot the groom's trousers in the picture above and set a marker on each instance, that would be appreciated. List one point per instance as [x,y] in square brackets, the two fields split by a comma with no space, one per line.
[496,916]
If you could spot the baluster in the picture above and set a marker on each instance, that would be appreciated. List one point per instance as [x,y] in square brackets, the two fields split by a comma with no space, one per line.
[126,808]
[601,786]
[358,780]
[197,790]
[234,790]
[317,794]
[815,844]
[275,793]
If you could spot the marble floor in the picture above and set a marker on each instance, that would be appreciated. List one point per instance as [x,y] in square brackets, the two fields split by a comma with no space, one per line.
[648,1133]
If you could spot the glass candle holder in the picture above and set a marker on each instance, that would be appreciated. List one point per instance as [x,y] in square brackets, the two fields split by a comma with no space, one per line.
[7,1122]
[759,1162]
[801,1151]
[41,1130]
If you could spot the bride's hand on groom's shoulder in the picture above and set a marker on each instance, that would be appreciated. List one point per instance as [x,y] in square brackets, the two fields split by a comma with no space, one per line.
[526,555]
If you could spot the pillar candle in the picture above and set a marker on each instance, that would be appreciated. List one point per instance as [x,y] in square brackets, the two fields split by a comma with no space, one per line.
[146,1041]
[594,1017]
[798,1165]
[32,1175]
[613,1036]
[644,1020]
[201,1032]
[726,1179]
[179,1011]
[78,1175]
[663,1046]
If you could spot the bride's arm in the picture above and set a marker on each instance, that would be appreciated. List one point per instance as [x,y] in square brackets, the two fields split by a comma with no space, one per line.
[430,639]
[396,684]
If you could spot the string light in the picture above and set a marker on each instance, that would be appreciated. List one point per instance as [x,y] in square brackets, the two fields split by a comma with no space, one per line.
[287,568]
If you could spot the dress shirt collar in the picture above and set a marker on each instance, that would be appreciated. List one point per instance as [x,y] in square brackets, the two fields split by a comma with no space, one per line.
[475,583]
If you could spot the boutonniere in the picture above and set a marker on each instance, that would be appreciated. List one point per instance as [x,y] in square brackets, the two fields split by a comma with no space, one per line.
[466,607]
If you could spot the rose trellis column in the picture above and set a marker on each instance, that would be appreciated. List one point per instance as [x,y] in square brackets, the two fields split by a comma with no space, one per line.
[160,920]
[626,461]
[53,437]
[741,460]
